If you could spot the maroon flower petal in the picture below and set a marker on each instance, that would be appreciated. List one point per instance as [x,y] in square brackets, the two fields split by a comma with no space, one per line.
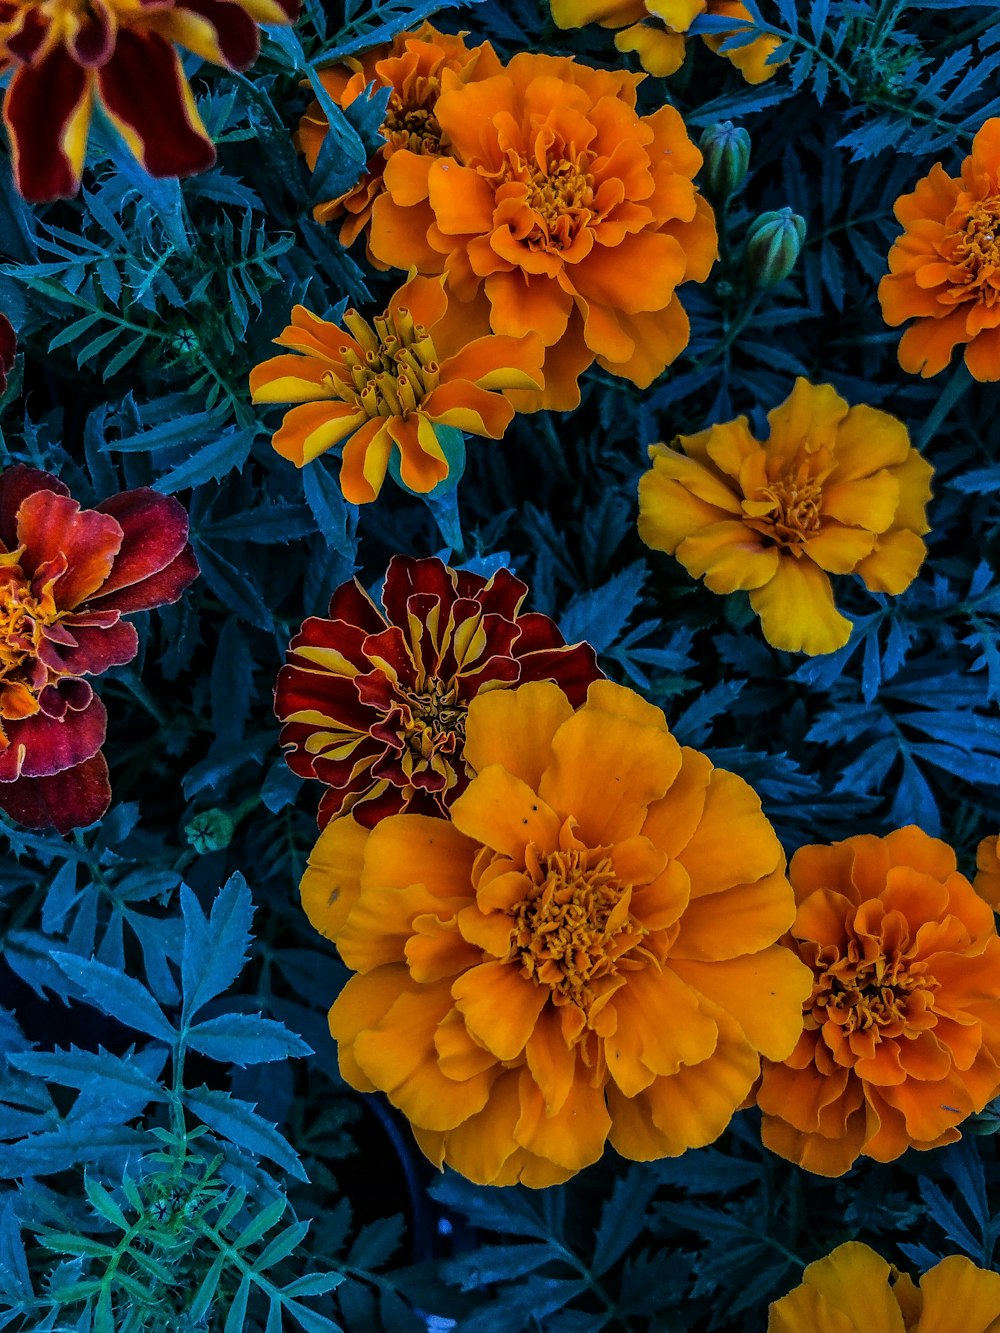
[94,649]
[42,745]
[8,349]
[46,111]
[503,594]
[235,31]
[54,528]
[71,799]
[573,669]
[16,484]
[94,40]
[407,576]
[155,535]
[351,604]
[161,589]
[146,95]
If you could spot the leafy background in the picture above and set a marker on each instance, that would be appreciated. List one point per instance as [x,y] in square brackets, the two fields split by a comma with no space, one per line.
[180,1150]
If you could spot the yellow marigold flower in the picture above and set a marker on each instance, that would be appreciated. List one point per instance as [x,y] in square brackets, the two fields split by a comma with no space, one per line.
[854,1290]
[416,66]
[987,881]
[944,271]
[562,211]
[657,31]
[585,951]
[902,1030]
[834,490]
[386,384]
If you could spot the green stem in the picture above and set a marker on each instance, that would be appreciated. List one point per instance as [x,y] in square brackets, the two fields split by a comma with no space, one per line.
[956,387]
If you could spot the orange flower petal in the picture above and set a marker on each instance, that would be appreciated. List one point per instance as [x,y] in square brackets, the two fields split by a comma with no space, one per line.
[643,1045]
[514,728]
[332,881]
[733,844]
[772,1027]
[797,612]
[499,1006]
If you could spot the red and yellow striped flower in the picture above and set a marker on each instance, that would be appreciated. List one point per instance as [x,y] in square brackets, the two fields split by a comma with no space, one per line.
[68,576]
[374,701]
[69,56]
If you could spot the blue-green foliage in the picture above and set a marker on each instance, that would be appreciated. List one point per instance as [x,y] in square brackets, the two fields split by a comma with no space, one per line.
[178,1149]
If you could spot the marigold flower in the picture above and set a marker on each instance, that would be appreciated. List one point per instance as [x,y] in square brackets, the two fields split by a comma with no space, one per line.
[560,211]
[67,577]
[902,1030]
[854,1290]
[119,54]
[834,490]
[416,66]
[657,30]
[584,951]
[987,881]
[389,383]
[945,268]
[8,349]
[374,702]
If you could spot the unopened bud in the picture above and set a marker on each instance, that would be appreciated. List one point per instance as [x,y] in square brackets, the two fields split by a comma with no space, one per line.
[210,831]
[774,243]
[726,149]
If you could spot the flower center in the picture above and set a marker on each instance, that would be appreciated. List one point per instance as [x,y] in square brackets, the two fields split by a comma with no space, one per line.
[21,622]
[977,249]
[872,995]
[397,369]
[574,925]
[786,510]
[412,124]
[558,200]
[437,720]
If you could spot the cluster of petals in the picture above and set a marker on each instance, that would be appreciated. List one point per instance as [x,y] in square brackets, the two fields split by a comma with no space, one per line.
[944,271]
[383,386]
[657,30]
[584,952]
[559,210]
[854,1290]
[416,66]
[374,699]
[987,881]
[833,490]
[901,1038]
[68,57]
[68,576]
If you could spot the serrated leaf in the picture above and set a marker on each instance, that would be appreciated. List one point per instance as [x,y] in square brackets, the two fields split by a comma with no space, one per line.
[238,1122]
[246,1039]
[119,995]
[215,948]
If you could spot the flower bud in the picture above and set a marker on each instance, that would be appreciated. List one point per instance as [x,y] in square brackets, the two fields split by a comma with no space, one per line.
[726,149]
[774,243]
[210,831]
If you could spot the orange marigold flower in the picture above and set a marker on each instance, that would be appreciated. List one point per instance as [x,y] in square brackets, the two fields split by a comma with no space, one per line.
[834,490]
[374,701]
[585,951]
[657,31]
[987,881]
[945,268]
[902,1030]
[416,66]
[387,384]
[68,577]
[560,210]
[854,1290]
[68,56]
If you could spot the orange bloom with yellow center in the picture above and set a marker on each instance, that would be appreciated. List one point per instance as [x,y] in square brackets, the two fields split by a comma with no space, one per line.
[987,881]
[562,211]
[944,271]
[657,30]
[585,951]
[385,385]
[834,490]
[902,1030]
[416,66]
[854,1290]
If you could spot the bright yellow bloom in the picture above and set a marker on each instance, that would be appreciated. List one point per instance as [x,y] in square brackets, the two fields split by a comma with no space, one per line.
[657,30]
[834,490]
[585,951]
[853,1290]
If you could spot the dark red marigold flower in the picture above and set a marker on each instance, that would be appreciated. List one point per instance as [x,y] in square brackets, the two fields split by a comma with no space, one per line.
[68,56]
[67,577]
[8,346]
[374,702]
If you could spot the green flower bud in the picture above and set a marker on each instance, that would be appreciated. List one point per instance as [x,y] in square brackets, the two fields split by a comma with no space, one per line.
[726,149]
[210,831]
[774,243]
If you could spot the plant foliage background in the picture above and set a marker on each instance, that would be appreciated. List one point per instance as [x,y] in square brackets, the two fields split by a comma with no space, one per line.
[178,1149]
